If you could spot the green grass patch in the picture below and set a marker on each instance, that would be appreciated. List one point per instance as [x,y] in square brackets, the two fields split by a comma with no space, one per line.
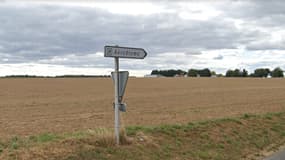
[2,146]
[43,138]
[220,139]
[16,142]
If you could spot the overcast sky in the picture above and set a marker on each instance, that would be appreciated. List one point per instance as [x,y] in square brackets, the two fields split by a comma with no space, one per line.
[68,37]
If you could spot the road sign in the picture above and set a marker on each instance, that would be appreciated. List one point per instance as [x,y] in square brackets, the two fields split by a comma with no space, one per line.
[124,52]
[120,79]
[122,107]
[123,79]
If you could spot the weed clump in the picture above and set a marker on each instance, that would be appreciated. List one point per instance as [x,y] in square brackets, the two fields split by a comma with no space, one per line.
[106,138]
[14,144]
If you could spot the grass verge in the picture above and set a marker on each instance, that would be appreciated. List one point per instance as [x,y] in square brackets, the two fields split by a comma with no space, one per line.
[244,137]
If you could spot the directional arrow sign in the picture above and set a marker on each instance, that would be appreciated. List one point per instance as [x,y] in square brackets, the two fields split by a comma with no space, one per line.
[124,52]
[123,78]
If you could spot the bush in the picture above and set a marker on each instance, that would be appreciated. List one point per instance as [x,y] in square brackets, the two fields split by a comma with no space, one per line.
[277,72]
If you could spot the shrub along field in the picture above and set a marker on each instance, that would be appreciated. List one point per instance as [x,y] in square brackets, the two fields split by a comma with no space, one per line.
[40,110]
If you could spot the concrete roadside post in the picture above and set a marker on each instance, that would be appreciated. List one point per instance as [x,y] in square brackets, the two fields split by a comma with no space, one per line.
[121,52]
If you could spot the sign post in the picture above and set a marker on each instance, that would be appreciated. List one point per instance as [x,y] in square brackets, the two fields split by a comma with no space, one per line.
[117,114]
[121,52]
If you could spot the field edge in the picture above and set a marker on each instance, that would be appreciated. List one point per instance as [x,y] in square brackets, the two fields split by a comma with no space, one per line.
[245,137]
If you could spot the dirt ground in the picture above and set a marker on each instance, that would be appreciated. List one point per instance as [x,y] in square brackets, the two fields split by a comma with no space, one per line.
[33,106]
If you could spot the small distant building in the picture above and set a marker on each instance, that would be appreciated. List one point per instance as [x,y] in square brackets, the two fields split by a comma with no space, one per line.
[269,76]
[180,75]
[153,76]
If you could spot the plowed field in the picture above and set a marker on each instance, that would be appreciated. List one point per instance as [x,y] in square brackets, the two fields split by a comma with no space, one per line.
[33,106]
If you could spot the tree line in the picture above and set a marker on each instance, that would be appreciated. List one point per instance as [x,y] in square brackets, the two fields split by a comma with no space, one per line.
[259,72]
[168,73]
[59,76]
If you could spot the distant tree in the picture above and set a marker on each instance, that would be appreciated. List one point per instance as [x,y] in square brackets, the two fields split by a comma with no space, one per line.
[244,73]
[213,73]
[154,72]
[204,72]
[181,72]
[192,73]
[229,73]
[277,72]
[236,73]
[261,72]
[168,73]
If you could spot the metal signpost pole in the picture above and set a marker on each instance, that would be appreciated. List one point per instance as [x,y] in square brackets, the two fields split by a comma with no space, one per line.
[120,78]
[117,114]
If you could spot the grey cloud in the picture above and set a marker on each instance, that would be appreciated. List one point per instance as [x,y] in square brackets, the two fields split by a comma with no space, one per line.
[41,32]
[254,9]
[266,45]
[261,17]
[193,53]
[259,12]
[219,57]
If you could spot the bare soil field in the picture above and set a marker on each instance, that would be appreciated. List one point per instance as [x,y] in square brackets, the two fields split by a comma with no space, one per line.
[33,106]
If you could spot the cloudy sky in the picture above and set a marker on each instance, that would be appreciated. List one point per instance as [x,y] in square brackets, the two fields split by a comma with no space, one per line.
[53,37]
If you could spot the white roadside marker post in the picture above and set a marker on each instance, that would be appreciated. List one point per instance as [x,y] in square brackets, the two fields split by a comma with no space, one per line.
[121,52]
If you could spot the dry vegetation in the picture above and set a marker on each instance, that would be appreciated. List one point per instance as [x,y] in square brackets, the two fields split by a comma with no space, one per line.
[35,106]
[249,137]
